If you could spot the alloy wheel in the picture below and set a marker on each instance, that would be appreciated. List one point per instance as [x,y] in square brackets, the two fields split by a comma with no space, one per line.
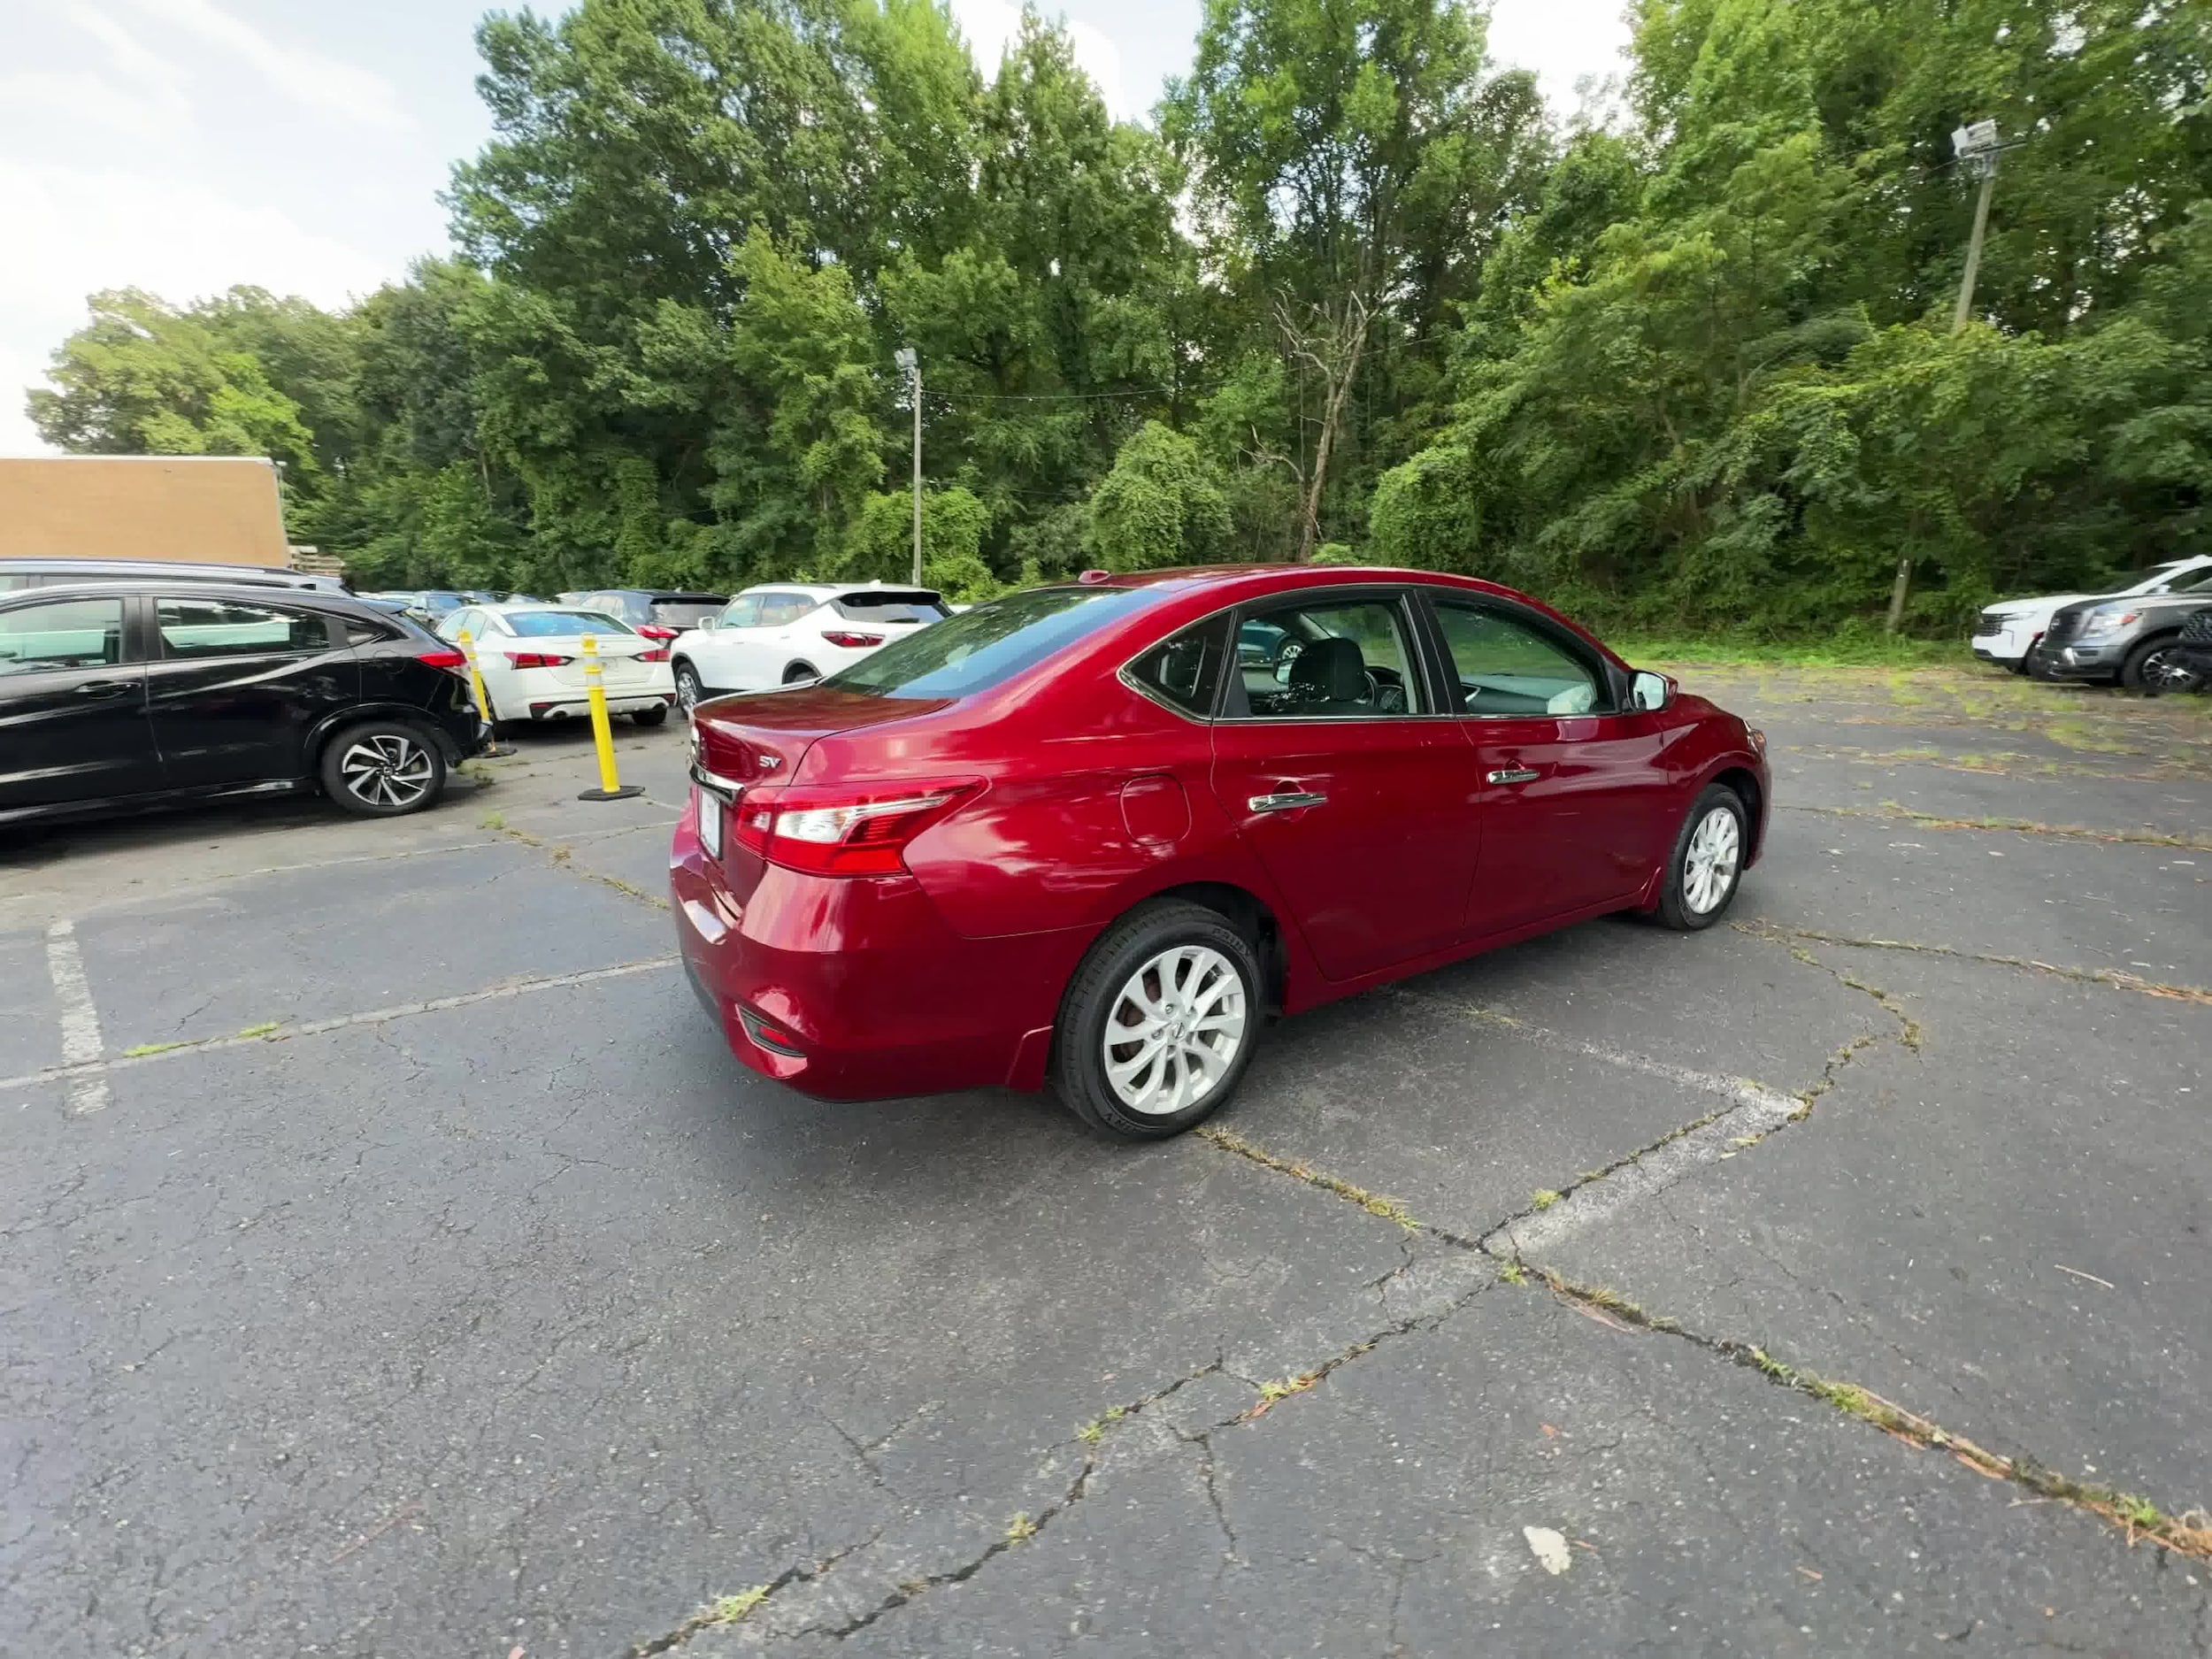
[1708,868]
[687,689]
[385,769]
[1174,1030]
[2163,670]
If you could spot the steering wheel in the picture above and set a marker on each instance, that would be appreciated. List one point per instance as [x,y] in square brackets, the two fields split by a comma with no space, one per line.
[1388,699]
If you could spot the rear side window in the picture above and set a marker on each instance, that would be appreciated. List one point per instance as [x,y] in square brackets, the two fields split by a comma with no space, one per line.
[66,634]
[1186,669]
[986,647]
[225,627]
[778,609]
[683,613]
[890,607]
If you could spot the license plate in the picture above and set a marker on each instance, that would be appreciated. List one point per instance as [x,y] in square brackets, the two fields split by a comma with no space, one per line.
[711,825]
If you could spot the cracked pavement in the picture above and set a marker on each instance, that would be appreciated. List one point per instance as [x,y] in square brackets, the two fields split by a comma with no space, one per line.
[528,1321]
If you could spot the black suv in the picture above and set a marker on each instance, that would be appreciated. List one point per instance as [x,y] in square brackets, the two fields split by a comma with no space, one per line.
[120,695]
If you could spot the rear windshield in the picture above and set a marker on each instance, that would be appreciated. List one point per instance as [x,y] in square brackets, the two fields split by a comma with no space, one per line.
[684,613]
[988,645]
[538,624]
[890,607]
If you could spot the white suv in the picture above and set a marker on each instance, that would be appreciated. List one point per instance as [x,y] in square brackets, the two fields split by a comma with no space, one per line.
[2005,633]
[783,634]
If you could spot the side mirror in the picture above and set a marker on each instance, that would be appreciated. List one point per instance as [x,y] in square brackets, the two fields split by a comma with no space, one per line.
[709,622]
[1648,690]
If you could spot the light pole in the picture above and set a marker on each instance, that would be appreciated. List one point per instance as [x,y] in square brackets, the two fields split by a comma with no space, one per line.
[908,360]
[1976,147]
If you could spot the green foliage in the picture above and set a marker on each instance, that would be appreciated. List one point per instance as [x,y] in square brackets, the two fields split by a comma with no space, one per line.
[1694,371]
[1160,505]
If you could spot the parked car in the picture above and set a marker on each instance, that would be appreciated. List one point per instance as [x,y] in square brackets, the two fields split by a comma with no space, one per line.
[126,694]
[2131,642]
[532,660]
[657,613]
[1077,835]
[18,573]
[782,634]
[427,605]
[2195,643]
[2006,634]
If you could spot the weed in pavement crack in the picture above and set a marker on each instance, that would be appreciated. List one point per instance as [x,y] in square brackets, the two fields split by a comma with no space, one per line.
[1761,928]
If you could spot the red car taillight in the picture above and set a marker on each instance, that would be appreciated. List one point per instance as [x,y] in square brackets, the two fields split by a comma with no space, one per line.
[453,662]
[661,656]
[830,832]
[537,659]
[850,641]
[654,631]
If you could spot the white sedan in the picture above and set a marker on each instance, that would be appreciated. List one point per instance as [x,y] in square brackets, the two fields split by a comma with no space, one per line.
[784,633]
[2005,633]
[532,660]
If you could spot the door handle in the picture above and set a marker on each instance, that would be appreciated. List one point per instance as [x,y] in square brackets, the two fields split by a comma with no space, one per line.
[1288,800]
[1513,774]
[102,689]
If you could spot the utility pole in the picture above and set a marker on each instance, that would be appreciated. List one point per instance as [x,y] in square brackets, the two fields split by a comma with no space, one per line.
[907,358]
[1976,147]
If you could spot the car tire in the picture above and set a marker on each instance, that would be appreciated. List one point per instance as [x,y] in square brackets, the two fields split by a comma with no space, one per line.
[1710,849]
[1199,972]
[649,716]
[798,671]
[383,769]
[690,692]
[2019,664]
[2157,666]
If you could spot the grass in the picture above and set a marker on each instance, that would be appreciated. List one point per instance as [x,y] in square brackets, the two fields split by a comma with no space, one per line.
[1875,651]
[1543,1198]
[140,1050]
[262,1030]
[728,1610]
[1021,1528]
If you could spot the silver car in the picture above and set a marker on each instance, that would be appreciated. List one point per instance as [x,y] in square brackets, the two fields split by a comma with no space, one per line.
[2133,640]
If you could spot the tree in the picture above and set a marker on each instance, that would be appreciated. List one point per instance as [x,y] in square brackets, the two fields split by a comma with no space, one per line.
[1160,505]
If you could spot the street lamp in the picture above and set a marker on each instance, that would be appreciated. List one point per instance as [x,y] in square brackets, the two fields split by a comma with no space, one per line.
[911,364]
[1976,147]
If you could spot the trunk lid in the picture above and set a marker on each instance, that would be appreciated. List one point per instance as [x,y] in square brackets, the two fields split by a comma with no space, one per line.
[761,736]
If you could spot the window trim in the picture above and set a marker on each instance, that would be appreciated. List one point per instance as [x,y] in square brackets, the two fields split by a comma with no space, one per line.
[1446,670]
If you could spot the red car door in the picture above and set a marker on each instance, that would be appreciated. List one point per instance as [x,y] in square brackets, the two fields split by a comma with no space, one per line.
[1572,794]
[1349,793]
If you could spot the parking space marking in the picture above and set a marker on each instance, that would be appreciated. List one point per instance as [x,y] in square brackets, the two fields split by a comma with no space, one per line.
[92,1073]
[80,1019]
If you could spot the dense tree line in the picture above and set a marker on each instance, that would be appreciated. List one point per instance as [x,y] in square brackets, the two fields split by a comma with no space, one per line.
[1353,293]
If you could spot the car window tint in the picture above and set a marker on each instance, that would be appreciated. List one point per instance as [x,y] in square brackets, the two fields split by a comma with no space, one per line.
[361,633]
[1324,658]
[227,627]
[891,607]
[1505,666]
[988,645]
[778,609]
[540,625]
[682,613]
[67,633]
[1186,669]
[742,612]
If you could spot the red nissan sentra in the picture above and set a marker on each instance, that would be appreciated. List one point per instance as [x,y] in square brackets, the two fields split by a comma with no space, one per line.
[1093,834]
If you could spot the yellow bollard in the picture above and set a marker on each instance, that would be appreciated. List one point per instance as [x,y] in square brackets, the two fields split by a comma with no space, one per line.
[602,732]
[491,750]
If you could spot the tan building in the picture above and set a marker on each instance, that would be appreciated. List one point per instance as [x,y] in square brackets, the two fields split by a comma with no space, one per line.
[216,509]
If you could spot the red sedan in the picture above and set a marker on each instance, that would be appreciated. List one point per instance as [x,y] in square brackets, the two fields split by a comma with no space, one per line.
[1094,833]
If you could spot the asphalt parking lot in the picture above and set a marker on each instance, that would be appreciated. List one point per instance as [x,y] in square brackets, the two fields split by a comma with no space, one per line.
[396,1263]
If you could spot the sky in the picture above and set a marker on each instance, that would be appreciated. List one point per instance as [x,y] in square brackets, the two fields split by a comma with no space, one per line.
[183,146]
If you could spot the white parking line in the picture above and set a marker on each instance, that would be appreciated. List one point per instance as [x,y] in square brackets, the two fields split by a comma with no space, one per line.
[80,1019]
[91,1073]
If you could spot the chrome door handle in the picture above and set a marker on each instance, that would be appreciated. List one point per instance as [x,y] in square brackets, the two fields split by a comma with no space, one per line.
[1289,800]
[1513,774]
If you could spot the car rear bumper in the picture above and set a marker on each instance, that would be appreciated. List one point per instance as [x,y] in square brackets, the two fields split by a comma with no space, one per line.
[878,995]
[576,707]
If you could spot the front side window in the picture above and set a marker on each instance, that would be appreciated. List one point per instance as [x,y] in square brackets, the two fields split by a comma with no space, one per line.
[742,612]
[1324,658]
[1185,670]
[988,645]
[1505,666]
[225,627]
[67,633]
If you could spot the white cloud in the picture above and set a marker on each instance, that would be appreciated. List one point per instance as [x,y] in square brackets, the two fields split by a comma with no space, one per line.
[101,228]
[158,79]
[992,26]
[1562,41]
[309,78]
[76,106]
